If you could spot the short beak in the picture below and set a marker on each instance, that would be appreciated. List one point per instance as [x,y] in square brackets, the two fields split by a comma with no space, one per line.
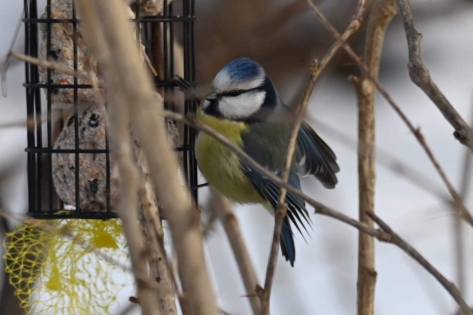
[211,96]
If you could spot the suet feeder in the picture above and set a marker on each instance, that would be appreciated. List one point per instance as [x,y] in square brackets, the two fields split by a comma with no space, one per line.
[69,163]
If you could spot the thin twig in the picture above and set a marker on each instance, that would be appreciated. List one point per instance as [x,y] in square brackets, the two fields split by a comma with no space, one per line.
[29,123]
[458,230]
[51,65]
[281,210]
[352,27]
[421,77]
[381,14]
[411,251]
[463,212]
[221,206]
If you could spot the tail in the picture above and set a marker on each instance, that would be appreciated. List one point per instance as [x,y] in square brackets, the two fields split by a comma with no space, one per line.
[296,211]
[287,242]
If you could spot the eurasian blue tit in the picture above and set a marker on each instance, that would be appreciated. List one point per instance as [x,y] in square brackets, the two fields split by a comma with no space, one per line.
[244,106]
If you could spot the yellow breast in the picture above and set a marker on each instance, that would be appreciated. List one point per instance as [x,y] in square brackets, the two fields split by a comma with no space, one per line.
[219,165]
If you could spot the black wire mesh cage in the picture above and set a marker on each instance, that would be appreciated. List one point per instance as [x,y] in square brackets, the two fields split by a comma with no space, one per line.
[70,170]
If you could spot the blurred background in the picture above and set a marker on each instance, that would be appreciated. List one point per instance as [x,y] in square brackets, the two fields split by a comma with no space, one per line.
[284,36]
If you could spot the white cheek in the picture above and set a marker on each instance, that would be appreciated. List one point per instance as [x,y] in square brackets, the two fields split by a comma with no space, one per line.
[242,106]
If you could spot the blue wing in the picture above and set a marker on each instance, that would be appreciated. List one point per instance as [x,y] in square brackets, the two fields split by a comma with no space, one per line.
[267,144]
[315,157]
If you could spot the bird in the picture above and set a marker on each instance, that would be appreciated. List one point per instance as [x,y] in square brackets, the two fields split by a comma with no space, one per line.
[244,106]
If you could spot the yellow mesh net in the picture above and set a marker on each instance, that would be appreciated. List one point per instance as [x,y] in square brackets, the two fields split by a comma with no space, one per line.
[53,275]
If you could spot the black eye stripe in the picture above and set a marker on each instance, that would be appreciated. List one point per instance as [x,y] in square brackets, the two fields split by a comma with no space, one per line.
[232,93]
[235,93]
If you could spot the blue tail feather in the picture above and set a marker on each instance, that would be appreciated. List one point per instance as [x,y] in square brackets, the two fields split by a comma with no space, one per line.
[296,211]
[288,248]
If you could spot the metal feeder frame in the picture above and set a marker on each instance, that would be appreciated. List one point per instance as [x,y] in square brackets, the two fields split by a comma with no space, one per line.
[43,202]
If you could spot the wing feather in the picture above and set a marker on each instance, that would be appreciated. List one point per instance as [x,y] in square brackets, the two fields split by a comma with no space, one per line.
[314,157]
[296,210]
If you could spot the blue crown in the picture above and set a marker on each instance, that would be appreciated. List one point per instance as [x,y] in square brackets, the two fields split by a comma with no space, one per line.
[243,69]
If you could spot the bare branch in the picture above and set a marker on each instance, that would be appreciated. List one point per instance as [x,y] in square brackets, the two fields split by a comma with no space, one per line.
[222,207]
[153,232]
[50,65]
[421,77]
[416,131]
[408,249]
[352,27]
[110,37]
[119,113]
[381,14]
